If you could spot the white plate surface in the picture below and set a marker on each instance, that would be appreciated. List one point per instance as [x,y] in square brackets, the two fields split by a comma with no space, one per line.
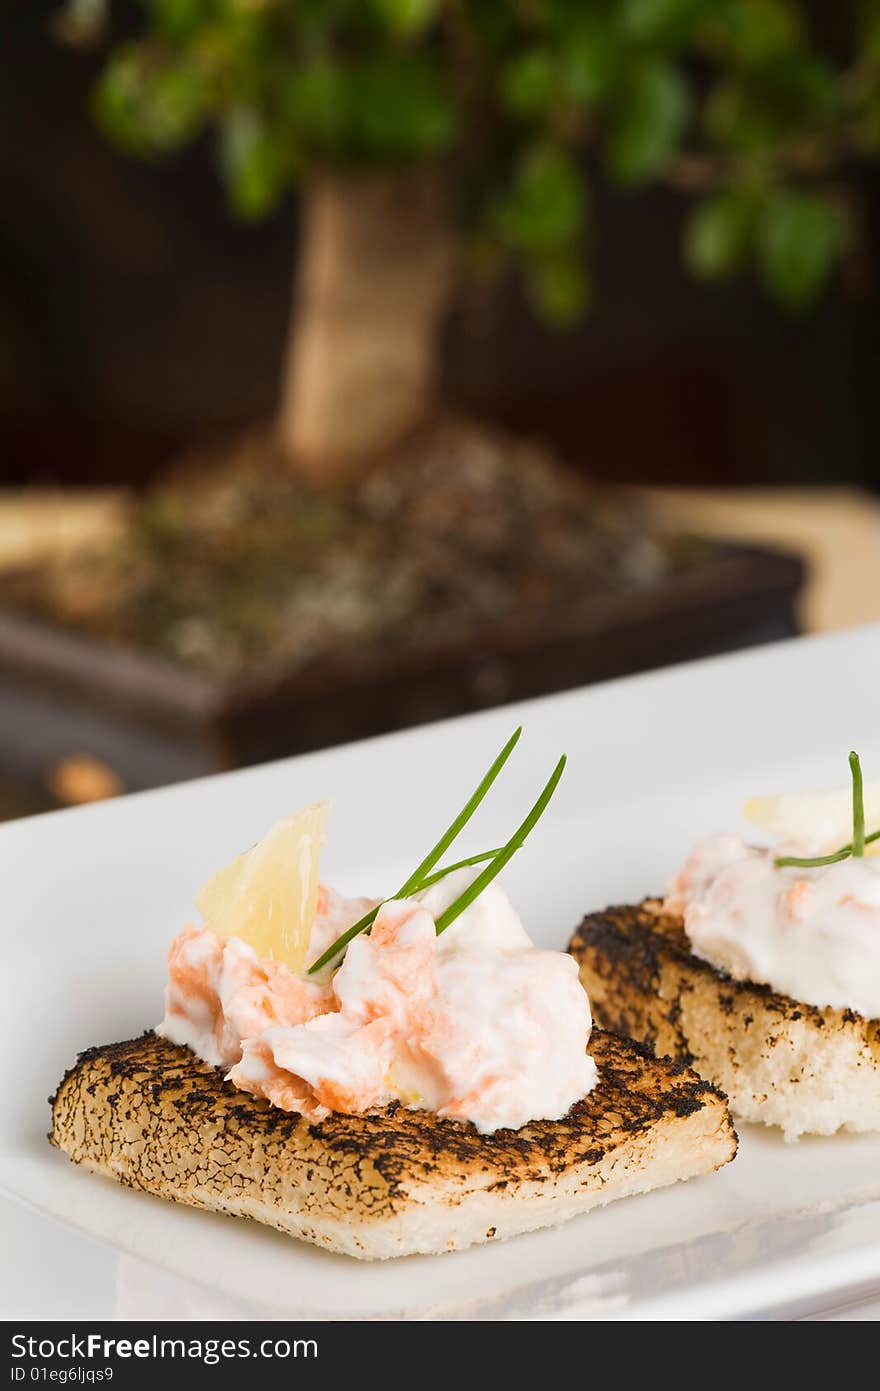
[92,897]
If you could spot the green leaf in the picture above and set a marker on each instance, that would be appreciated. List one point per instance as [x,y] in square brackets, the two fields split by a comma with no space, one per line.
[175,20]
[401,107]
[147,108]
[544,210]
[868,31]
[799,237]
[559,289]
[660,21]
[808,86]
[589,62]
[254,162]
[649,121]
[527,82]
[407,17]
[751,112]
[315,100]
[755,31]
[718,235]
[736,118]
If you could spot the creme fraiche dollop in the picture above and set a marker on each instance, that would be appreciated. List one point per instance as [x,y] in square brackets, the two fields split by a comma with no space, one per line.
[809,932]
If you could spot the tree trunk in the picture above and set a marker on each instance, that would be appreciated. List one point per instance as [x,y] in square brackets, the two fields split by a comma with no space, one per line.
[374,280]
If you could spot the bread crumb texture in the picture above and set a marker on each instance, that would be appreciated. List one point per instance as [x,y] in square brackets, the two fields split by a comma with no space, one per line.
[153,1116]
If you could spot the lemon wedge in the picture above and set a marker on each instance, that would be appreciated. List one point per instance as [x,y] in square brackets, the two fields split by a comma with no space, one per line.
[820,822]
[268,895]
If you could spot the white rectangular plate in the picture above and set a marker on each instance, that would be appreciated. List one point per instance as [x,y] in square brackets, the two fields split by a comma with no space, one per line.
[92,897]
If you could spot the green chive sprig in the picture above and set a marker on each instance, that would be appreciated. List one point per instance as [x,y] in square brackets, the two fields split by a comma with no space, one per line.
[856,847]
[858,802]
[366,922]
[507,852]
[416,879]
[425,875]
[459,864]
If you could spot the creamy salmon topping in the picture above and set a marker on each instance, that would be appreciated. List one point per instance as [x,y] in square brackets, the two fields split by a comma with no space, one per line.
[809,932]
[219,993]
[476,1024]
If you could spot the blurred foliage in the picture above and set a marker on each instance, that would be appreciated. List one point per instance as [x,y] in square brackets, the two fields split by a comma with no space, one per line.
[740,103]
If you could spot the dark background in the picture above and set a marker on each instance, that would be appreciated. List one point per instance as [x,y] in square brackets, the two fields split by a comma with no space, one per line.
[137,315]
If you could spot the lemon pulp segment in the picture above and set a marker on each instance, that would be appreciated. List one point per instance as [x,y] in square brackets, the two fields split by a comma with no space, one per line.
[268,895]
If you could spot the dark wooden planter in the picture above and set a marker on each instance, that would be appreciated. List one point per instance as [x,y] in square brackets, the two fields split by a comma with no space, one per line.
[63,694]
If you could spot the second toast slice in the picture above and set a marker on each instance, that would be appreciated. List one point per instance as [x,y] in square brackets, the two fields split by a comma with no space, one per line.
[780,1062]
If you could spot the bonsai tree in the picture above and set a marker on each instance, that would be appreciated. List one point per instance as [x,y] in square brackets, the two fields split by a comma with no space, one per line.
[434,138]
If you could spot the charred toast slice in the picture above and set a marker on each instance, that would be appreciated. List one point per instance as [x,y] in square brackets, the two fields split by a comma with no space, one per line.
[152,1115]
[779,1061]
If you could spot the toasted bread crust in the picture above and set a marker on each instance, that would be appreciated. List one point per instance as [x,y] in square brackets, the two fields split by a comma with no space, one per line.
[152,1115]
[778,1060]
